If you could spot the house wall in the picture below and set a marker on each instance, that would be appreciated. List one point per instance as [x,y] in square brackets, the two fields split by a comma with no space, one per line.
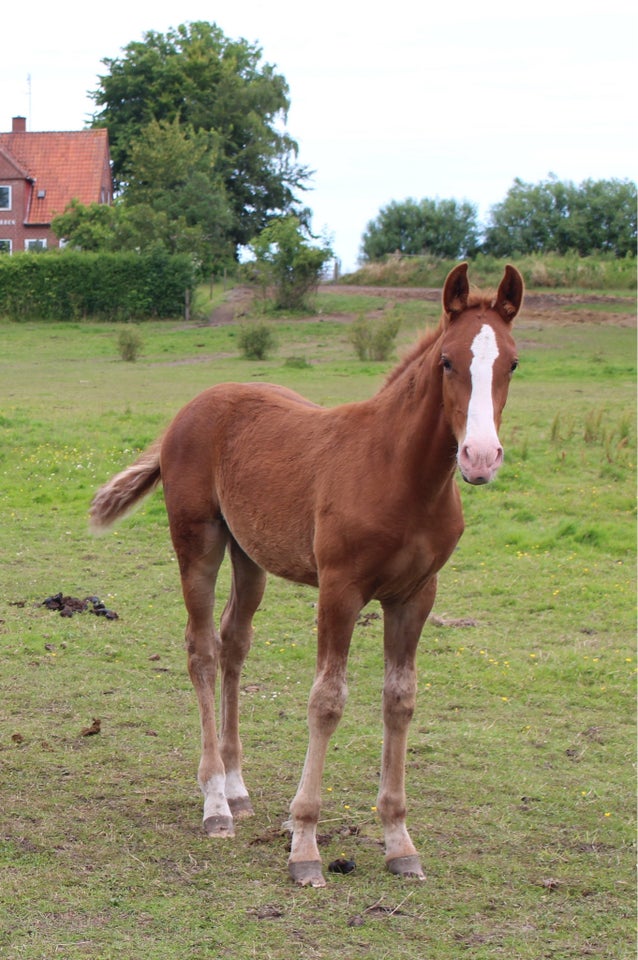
[12,225]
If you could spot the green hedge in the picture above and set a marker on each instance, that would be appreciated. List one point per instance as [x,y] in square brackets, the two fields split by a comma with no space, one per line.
[70,285]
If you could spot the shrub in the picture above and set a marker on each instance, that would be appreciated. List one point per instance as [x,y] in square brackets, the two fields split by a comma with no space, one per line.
[129,344]
[360,337]
[256,341]
[288,263]
[374,341]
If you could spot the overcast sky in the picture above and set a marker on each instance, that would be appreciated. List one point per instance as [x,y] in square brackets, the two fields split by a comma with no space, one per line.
[389,100]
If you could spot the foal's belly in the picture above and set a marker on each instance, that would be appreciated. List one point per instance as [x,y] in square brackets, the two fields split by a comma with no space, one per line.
[279,544]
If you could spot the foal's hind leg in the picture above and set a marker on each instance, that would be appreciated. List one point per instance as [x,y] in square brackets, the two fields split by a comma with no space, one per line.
[200,545]
[402,628]
[249,581]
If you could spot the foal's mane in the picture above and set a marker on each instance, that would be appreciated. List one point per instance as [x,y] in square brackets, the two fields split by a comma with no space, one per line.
[477,298]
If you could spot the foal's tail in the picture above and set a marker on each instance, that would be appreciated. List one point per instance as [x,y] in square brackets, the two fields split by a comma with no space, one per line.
[122,492]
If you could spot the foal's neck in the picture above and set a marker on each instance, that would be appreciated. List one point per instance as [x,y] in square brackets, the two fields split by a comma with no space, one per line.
[410,411]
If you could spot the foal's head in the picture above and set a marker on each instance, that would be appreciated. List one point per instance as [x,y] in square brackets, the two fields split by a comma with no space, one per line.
[478,357]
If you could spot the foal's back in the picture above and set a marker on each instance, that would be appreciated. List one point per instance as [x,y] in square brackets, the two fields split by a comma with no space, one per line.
[262,460]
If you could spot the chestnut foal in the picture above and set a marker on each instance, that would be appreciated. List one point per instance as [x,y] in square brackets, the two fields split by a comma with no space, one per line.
[360,501]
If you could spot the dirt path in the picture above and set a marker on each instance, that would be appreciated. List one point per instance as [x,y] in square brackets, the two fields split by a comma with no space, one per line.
[236,305]
[538,307]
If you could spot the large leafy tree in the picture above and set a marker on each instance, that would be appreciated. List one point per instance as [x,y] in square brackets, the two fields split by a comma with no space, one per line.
[231,109]
[172,172]
[559,216]
[444,228]
[174,201]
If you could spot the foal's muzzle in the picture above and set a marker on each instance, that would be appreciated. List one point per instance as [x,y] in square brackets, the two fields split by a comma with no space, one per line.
[479,463]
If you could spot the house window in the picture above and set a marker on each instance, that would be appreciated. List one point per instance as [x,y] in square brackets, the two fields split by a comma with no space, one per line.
[35,245]
[5,197]
[5,246]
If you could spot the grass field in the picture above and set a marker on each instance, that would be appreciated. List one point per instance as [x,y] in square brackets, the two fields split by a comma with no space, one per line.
[521,780]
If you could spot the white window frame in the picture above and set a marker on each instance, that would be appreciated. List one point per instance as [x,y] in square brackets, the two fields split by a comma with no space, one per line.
[8,241]
[5,186]
[35,243]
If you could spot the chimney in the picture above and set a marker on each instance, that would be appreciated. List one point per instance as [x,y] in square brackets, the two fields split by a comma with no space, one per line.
[19,125]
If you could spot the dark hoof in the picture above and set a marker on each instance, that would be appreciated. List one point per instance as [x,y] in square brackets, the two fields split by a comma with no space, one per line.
[408,867]
[219,826]
[307,873]
[241,807]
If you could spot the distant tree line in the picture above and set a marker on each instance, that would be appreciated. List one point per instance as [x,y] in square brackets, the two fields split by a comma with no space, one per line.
[550,216]
[203,165]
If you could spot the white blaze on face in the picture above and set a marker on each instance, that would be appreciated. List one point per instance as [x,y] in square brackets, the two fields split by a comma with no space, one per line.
[480,453]
[480,412]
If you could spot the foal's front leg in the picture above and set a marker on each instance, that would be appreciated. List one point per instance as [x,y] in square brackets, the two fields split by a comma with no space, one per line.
[402,628]
[337,612]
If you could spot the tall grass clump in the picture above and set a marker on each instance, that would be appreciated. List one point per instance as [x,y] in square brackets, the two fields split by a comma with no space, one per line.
[374,340]
[612,434]
[129,344]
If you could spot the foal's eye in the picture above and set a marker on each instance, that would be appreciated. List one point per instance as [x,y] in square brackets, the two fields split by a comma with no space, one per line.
[446,363]
[514,366]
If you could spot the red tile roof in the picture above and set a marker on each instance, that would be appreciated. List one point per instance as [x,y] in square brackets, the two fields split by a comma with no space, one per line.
[65,166]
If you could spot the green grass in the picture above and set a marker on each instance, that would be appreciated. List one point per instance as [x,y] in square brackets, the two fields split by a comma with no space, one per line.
[521,788]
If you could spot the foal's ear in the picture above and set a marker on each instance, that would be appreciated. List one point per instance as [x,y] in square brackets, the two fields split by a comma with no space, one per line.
[509,296]
[456,291]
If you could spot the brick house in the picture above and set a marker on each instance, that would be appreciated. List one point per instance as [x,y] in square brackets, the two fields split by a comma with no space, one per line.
[40,173]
